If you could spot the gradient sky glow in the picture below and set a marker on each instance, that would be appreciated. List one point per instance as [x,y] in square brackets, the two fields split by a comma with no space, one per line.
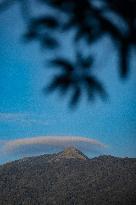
[25,112]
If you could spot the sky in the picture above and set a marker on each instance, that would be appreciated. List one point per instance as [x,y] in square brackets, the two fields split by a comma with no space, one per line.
[32,123]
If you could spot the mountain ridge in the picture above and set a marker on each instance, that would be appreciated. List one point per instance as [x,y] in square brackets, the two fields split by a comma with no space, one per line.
[61,154]
[65,178]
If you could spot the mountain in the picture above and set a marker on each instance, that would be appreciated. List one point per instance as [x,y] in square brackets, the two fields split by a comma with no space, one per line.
[68,178]
[69,153]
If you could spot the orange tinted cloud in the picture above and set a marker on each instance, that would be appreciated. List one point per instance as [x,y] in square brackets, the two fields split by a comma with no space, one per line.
[26,146]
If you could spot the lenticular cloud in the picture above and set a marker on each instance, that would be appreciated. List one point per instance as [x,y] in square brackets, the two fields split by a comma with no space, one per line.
[47,144]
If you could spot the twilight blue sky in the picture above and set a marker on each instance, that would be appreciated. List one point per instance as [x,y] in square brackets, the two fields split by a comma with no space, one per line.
[26,113]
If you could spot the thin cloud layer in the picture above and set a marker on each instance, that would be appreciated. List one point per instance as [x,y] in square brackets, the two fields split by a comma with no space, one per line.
[26,118]
[46,144]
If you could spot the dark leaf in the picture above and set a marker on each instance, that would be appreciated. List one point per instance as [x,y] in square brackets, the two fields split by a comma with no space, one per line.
[45,21]
[84,62]
[30,35]
[75,96]
[110,28]
[49,42]
[124,58]
[94,86]
[66,65]
[61,82]
[62,5]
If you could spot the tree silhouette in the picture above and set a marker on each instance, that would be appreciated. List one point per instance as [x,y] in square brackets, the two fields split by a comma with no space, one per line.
[90,21]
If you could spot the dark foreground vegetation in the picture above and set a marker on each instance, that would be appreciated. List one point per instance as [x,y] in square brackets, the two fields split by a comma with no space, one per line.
[68,178]
[85,25]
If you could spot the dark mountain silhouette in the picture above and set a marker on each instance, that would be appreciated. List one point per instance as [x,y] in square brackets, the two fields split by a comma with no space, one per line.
[68,178]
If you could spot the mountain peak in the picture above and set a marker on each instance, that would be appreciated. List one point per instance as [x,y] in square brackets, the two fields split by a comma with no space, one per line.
[71,152]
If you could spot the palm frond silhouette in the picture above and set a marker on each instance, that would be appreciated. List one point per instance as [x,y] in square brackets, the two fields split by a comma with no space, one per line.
[76,76]
[91,21]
